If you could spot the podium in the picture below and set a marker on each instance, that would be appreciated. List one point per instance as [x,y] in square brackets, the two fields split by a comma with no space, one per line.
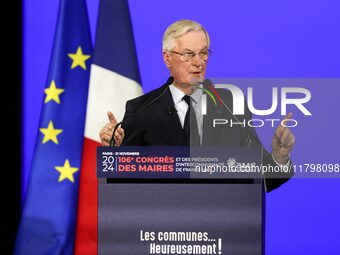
[157,203]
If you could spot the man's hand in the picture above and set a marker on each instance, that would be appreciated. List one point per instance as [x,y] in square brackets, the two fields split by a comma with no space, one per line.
[106,133]
[283,142]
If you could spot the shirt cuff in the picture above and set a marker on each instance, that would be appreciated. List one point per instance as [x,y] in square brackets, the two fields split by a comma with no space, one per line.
[279,164]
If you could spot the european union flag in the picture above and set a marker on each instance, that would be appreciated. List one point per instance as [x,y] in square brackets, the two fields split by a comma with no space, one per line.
[49,214]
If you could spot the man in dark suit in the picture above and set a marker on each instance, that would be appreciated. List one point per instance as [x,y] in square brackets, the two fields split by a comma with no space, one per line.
[163,119]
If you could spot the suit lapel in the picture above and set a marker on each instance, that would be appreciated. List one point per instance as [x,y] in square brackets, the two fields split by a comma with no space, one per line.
[169,121]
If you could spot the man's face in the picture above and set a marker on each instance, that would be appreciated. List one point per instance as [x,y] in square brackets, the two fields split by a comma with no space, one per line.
[184,71]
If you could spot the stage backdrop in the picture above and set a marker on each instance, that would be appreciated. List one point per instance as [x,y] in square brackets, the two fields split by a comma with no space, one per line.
[248,39]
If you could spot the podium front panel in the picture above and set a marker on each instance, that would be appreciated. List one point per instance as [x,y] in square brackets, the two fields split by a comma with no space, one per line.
[176,218]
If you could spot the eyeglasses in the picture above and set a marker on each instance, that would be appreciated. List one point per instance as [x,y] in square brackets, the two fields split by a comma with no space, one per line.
[190,55]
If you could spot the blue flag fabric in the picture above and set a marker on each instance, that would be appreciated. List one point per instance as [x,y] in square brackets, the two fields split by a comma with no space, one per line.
[115,45]
[49,212]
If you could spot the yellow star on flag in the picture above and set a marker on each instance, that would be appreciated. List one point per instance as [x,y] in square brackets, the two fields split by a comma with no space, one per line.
[66,171]
[50,133]
[79,58]
[52,93]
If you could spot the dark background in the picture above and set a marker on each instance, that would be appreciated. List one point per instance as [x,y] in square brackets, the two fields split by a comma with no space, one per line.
[11,52]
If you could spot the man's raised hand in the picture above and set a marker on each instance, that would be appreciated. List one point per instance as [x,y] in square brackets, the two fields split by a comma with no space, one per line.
[106,132]
[283,142]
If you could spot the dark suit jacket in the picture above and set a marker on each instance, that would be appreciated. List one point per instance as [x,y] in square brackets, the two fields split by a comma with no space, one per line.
[159,125]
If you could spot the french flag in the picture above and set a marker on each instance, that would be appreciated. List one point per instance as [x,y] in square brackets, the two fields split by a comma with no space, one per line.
[114,79]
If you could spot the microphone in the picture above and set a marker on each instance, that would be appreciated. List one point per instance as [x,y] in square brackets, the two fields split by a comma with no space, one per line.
[196,82]
[170,112]
[250,135]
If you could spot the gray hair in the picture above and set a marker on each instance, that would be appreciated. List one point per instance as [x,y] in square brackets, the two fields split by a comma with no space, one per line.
[179,28]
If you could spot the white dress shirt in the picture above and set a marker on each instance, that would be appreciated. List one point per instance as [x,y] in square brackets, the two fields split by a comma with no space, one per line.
[182,107]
